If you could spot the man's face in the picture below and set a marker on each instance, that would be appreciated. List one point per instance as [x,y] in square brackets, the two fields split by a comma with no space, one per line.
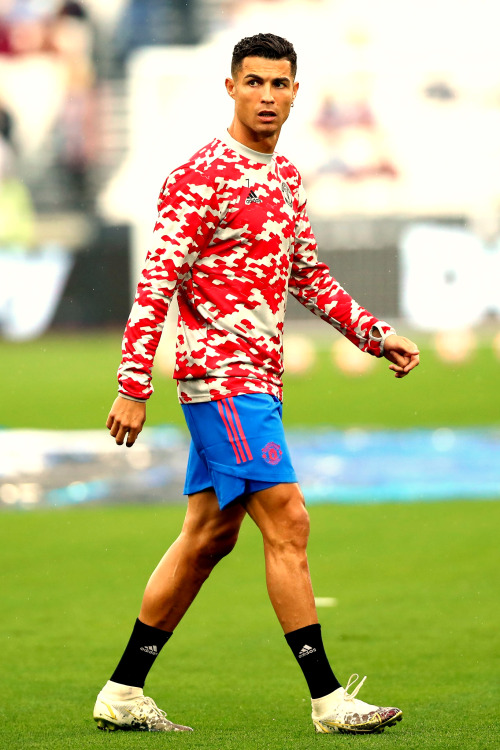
[263,91]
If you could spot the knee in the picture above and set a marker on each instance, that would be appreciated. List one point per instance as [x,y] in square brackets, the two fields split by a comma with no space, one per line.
[297,530]
[209,548]
[289,527]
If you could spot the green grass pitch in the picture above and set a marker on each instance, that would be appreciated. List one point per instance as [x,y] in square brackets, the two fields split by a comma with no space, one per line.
[69,382]
[417,604]
[417,611]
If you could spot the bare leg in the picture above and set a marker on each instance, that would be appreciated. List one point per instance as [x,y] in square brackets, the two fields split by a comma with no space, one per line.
[208,534]
[281,516]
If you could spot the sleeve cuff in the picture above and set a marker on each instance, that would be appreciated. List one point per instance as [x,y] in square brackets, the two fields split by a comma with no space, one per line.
[132,398]
[378,334]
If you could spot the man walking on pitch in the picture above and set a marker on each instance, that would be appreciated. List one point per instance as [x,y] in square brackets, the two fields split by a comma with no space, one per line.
[232,238]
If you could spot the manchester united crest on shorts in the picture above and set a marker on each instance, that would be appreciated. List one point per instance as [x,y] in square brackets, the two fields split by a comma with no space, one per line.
[272,453]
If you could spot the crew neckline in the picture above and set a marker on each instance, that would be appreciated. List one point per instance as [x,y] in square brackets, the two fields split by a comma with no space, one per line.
[245,151]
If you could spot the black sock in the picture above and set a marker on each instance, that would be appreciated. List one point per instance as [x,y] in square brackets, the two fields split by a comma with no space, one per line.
[139,656]
[307,647]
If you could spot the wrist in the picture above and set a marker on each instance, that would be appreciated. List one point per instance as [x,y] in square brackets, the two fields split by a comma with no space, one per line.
[380,332]
[132,398]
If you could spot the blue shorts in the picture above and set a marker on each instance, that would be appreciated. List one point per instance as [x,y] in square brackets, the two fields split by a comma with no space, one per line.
[238,446]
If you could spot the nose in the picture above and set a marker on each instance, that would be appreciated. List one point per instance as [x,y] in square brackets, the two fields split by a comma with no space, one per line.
[267,93]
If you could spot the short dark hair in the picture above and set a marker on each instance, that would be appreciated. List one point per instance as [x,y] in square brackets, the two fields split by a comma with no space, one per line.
[270,46]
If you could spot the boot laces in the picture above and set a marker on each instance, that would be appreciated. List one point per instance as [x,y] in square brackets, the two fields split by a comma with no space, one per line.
[147,702]
[352,680]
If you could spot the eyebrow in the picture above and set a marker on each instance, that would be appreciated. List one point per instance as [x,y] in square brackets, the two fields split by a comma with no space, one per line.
[280,79]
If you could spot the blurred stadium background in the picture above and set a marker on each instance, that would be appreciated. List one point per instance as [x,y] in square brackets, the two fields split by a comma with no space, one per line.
[396,132]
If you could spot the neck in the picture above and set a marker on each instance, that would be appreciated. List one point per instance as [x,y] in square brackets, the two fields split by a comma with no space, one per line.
[265,144]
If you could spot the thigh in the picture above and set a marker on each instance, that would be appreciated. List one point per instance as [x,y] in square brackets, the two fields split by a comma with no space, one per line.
[204,515]
[278,511]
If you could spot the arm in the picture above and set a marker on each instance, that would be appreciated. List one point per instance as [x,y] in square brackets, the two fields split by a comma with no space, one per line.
[187,218]
[312,284]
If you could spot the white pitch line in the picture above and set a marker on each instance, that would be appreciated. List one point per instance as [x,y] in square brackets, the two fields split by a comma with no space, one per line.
[325,601]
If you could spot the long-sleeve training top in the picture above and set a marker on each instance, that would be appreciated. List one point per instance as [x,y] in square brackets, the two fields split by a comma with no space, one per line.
[232,238]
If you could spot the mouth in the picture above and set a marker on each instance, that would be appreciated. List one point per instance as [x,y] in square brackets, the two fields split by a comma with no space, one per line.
[267,115]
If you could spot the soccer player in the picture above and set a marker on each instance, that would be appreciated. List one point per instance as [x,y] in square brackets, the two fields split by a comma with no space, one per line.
[233,238]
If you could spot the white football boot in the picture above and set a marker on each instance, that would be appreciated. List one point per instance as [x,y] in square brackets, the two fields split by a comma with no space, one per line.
[139,714]
[341,712]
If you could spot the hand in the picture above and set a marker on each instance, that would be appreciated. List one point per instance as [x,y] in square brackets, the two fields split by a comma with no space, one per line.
[403,354]
[126,418]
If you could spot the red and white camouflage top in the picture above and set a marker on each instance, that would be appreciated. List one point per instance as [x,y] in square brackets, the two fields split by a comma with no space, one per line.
[232,238]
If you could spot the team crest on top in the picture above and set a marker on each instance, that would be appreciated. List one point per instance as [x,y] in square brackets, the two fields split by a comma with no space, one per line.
[287,193]
[272,453]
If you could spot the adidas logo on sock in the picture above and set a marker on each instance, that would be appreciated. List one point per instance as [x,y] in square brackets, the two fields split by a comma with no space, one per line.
[305,651]
[150,650]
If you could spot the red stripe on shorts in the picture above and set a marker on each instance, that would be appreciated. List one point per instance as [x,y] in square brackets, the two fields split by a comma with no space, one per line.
[229,432]
[240,429]
[234,430]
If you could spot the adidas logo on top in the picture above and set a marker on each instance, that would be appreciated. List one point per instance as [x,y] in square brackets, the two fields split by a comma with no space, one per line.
[150,650]
[252,198]
[305,651]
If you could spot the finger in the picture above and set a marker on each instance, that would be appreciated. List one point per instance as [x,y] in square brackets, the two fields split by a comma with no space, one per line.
[398,358]
[109,421]
[120,435]
[414,362]
[132,437]
[408,346]
[399,372]
[115,426]
[409,366]
[404,348]
[402,372]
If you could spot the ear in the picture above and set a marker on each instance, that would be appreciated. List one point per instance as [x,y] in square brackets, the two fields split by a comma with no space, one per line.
[295,88]
[230,87]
